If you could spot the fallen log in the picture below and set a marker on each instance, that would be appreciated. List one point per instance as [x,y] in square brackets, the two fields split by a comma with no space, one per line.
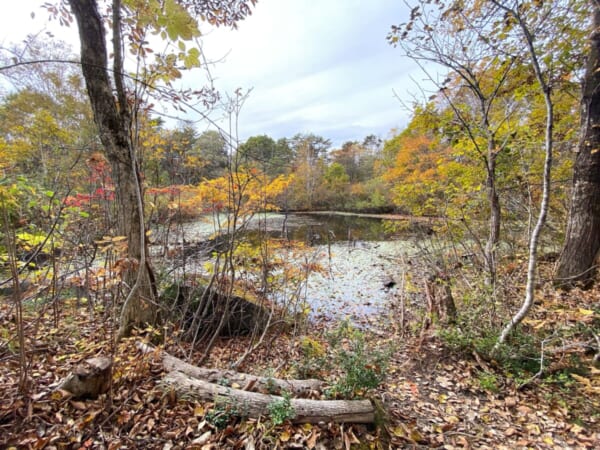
[254,404]
[231,378]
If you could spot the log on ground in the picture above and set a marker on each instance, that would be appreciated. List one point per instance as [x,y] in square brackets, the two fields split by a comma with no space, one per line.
[246,381]
[253,404]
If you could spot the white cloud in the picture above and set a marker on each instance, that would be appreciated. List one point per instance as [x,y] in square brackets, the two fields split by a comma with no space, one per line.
[320,66]
[315,66]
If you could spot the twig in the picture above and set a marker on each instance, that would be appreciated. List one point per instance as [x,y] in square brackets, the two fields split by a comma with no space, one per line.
[539,373]
[597,355]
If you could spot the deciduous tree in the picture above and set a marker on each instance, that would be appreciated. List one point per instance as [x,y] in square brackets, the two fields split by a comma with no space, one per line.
[577,260]
[456,39]
[115,117]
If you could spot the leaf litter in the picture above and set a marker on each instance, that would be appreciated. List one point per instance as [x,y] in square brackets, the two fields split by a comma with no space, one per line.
[433,397]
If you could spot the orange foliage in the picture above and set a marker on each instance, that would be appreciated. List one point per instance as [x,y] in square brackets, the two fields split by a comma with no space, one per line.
[249,192]
[419,175]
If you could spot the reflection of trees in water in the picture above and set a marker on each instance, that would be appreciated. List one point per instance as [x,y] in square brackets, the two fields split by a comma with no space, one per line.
[316,229]
[321,230]
[341,228]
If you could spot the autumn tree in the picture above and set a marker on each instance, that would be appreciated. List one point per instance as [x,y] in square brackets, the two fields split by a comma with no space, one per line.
[45,116]
[425,177]
[115,117]
[477,74]
[357,159]
[309,151]
[335,187]
[178,162]
[211,154]
[582,242]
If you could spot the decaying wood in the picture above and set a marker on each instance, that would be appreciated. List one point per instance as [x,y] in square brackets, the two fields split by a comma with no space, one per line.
[440,301]
[201,384]
[245,381]
[253,404]
[89,379]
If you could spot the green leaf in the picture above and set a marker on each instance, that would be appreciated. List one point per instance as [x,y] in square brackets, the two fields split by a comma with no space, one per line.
[192,58]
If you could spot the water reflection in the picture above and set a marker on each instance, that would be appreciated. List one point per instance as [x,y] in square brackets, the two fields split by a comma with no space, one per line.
[359,256]
[323,229]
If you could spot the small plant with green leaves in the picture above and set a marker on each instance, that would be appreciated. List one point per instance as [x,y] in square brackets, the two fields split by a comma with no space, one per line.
[223,413]
[362,368]
[223,381]
[518,357]
[271,386]
[488,381]
[281,409]
[314,359]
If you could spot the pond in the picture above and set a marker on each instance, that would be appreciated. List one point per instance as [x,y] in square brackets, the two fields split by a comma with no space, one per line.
[359,255]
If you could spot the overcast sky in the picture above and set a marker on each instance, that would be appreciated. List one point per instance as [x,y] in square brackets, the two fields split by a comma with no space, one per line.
[318,66]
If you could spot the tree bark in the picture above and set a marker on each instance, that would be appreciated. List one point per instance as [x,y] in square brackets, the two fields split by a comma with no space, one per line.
[495,213]
[247,381]
[582,242]
[440,302]
[253,404]
[113,124]
[89,379]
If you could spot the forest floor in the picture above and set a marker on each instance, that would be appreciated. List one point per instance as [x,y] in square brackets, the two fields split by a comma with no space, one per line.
[434,397]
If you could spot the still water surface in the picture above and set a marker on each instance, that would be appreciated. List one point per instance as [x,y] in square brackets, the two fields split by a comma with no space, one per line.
[358,254]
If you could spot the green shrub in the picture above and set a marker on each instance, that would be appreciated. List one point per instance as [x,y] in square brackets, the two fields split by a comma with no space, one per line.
[362,368]
[313,361]
[488,381]
[518,356]
[281,410]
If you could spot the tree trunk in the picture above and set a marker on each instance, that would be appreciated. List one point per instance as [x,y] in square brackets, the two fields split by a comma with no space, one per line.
[113,125]
[495,215]
[440,302]
[253,404]
[542,77]
[582,241]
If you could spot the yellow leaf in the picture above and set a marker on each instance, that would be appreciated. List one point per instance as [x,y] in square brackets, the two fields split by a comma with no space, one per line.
[399,431]
[548,440]
[585,312]
[57,395]
[576,429]
[415,435]
[452,420]
[284,436]
[581,379]
[199,411]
